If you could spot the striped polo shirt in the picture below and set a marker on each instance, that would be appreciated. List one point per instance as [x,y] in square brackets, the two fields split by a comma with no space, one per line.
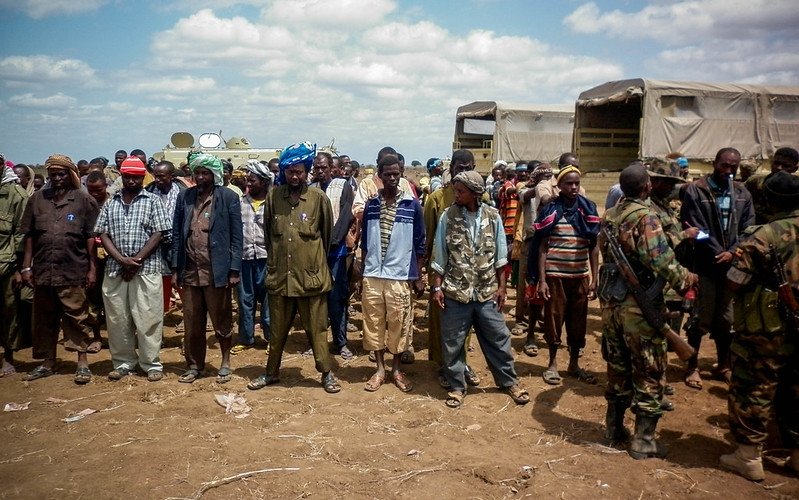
[567,256]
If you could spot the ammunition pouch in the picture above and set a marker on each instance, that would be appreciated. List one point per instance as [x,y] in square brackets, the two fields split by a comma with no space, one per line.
[759,312]
[611,286]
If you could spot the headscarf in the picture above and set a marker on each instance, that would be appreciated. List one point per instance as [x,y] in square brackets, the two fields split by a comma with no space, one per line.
[132,165]
[471,180]
[9,176]
[64,161]
[210,162]
[303,152]
[432,163]
[259,169]
[568,169]
[31,187]
[542,169]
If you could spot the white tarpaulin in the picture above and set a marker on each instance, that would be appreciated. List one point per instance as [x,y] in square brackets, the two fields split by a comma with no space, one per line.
[522,131]
[698,119]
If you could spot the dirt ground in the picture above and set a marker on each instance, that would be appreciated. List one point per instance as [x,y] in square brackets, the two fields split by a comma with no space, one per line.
[170,440]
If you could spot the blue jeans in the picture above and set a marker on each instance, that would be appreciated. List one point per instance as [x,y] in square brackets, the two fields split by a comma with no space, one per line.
[492,333]
[252,289]
[338,300]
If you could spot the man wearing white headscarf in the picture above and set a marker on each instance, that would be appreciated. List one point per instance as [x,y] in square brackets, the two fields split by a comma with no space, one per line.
[252,287]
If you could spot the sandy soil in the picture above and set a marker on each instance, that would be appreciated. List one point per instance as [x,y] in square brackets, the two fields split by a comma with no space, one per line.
[166,439]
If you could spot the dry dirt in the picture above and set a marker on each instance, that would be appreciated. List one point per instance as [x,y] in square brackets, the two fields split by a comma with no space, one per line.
[167,439]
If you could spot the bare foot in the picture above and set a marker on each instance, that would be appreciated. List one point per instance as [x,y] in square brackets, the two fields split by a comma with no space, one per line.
[7,369]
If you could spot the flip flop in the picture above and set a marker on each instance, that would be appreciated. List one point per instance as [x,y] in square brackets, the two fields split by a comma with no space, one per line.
[552,377]
[8,369]
[455,399]
[240,348]
[374,383]
[94,347]
[582,376]
[83,375]
[517,394]
[471,376]
[402,382]
[224,375]
[262,381]
[189,376]
[693,382]
[37,373]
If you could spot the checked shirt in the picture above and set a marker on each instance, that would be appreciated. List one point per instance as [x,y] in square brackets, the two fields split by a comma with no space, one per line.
[130,226]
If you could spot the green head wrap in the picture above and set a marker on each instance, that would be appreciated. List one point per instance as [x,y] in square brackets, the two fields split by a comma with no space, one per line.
[210,162]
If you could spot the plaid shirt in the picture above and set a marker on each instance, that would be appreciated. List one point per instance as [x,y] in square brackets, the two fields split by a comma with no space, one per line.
[130,226]
[253,223]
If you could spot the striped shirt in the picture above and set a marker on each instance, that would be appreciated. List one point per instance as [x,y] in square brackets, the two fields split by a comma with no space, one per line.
[387,216]
[567,256]
[130,226]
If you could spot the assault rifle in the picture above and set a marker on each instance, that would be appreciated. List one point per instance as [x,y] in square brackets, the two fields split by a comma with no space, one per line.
[648,310]
[784,289]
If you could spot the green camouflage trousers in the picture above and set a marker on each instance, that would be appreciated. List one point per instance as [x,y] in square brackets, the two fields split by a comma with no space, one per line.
[636,358]
[764,385]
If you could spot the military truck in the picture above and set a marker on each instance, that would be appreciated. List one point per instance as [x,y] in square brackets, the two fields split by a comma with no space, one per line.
[235,149]
[495,130]
[620,121]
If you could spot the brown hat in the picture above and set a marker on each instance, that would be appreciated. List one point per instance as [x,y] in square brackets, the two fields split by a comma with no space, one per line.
[660,170]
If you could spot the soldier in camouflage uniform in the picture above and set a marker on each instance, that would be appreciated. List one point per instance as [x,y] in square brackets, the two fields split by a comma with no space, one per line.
[765,371]
[785,159]
[664,180]
[634,351]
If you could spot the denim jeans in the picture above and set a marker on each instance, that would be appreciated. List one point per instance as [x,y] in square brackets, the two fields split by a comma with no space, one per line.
[492,333]
[338,300]
[252,290]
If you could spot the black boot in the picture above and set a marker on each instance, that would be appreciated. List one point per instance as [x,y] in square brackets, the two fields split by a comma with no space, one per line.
[643,444]
[615,432]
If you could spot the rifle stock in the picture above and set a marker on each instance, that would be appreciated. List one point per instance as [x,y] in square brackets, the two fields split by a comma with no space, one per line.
[652,316]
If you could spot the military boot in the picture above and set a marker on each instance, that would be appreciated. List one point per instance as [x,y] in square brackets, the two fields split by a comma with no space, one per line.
[643,444]
[615,432]
[746,461]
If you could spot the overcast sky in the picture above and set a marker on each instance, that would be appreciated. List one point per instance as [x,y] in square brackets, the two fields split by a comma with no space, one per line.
[88,77]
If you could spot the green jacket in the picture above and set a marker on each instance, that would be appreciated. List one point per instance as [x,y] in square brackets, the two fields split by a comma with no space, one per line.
[12,204]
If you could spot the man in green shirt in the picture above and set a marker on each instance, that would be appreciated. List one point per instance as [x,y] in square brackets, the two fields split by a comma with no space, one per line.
[298,221]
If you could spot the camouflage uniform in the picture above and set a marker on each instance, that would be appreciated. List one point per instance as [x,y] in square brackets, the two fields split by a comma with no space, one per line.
[635,353]
[13,334]
[670,221]
[765,370]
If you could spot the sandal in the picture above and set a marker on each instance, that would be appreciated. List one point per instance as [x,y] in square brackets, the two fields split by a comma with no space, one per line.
[407,357]
[189,376]
[83,375]
[240,348]
[155,375]
[37,373]
[471,376]
[224,375]
[517,394]
[118,373]
[724,375]
[262,381]
[552,377]
[582,376]
[374,383]
[455,399]
[693,380]
[95,347]
[402,382]
[530,350]
[443,382]
[330,384]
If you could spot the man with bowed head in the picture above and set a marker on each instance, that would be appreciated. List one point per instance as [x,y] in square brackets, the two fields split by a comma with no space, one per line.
[298,222]
[130,226]
[207,242]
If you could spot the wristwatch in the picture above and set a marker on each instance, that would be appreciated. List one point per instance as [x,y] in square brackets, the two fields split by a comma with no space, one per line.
[434,289]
